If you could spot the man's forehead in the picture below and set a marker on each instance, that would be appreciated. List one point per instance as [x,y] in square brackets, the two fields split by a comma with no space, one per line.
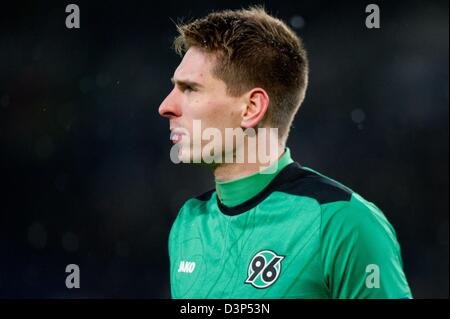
[196,65]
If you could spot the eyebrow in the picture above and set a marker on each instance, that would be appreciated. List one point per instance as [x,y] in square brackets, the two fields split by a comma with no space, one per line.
[186,83]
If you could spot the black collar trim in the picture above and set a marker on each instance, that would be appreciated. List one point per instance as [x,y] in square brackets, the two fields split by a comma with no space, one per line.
[291,172]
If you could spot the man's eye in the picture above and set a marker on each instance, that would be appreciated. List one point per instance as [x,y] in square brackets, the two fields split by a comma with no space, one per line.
[185,88]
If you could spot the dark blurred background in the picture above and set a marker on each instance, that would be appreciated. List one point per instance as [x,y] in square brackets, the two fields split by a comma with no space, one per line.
[86,176]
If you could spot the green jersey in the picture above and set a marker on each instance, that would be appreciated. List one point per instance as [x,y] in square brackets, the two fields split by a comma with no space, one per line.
[302,235]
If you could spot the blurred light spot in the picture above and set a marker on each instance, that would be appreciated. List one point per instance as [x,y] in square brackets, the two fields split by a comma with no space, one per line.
[4,101]
[297,22]
[358,116]
[37,235]
[70,242]
[44,147]
[102,80]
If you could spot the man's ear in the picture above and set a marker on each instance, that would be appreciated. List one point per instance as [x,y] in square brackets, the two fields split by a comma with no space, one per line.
[257,103]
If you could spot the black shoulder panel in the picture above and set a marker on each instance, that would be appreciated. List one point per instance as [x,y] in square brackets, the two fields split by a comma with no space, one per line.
[313,185]
[205,196]
[294,180]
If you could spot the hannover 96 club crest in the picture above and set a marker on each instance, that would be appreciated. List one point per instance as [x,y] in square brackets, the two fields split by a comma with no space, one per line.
[264,269]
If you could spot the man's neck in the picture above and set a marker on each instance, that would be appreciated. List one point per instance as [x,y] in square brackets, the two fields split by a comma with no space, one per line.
[232,171]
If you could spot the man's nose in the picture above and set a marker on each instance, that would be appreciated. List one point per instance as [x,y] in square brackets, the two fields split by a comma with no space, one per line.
[170,107]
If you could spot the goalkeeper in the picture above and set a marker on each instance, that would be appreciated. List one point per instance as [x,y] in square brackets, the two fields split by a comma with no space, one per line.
[270,228]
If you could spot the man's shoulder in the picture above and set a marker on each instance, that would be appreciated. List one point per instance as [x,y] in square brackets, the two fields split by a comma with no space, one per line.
[206,196]
[193,209]
[357,215]
[301,181]
[337,202]
[195,204]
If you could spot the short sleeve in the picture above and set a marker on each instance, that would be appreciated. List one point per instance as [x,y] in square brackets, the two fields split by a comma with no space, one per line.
[360,253]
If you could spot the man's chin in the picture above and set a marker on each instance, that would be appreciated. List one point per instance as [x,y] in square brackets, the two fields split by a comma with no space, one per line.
[198,161]
[186,157]
[204,160]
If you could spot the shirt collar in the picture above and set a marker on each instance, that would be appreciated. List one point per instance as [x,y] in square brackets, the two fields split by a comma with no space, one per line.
[237,191]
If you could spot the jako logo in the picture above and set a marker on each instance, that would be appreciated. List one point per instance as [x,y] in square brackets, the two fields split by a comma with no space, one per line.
[186,266]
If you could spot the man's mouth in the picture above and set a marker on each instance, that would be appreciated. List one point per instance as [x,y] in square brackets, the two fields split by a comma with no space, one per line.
[176,137]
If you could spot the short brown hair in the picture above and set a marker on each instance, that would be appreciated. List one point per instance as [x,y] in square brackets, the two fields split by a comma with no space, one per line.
[255,50]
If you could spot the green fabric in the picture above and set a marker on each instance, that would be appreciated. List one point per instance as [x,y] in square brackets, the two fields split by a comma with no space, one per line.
[235,192]
[358,236]
[328,250]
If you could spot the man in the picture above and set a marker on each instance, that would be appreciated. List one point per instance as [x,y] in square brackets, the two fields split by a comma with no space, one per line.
[270,228]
